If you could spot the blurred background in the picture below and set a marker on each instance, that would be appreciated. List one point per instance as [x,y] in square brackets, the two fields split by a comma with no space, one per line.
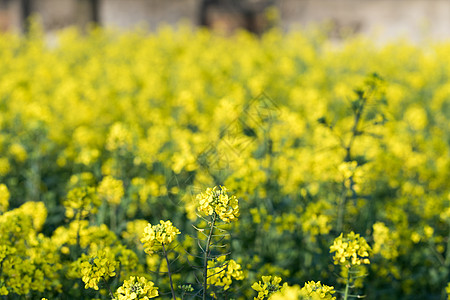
[383,20]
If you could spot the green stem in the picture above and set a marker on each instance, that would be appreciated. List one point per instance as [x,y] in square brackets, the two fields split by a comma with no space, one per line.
[109,289]
[347,286]
[355,132]
[205,266]
[168,272]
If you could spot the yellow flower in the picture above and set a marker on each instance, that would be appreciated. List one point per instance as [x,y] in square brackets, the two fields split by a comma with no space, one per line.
[351,250]
[111,190]
[134,231]
[310,291]
[137,288]
[18,152]
[315,290]
[157,235]
[119,138]
[96,267]
[221,272]
[4,198]
[217,201]
[4,166]
[384,241]
[287,293]
[81,200]
[36,211]
[267,287]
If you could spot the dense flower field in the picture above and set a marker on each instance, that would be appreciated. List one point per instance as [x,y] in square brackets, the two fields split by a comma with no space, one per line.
[116,148]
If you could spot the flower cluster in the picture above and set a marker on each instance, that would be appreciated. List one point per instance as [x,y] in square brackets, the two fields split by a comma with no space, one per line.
[97,267]
[216,200]
[18,152]
[267,287]
[310,291]
[81,200]
[384,241]
[316,290]
[119,138]
[223,274]
[133,232]
[29,260]
[138,288]
[111,190]
[351,174]
[91,237]
[157,235]
[351,250]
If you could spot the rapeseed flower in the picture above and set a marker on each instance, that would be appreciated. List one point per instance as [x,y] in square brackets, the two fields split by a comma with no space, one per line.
[316,290]
[81,200]
[267,287]
[216,200]
[310,291]
[111,190]
[97,267]
[221,273]
[138,288]
[351,250]
[157,235]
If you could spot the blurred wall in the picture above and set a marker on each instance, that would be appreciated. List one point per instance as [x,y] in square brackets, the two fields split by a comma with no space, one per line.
[386,18]
[129,13]
[10,15]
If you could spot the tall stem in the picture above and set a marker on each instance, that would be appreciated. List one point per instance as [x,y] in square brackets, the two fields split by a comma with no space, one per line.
[205,266]
[168,272]
[347,285]
[109,289]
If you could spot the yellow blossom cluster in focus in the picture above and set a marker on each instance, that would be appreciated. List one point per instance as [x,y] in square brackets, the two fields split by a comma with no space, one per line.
[97,267]
[158,235]
[216,200]
[267,287]
[221,272]
[138,288]
[350,250]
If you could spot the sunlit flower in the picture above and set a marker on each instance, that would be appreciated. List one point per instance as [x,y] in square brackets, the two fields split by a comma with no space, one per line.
[216,200]
[350,250]
[157,235]
[137,288]
[97,267]
[267,287]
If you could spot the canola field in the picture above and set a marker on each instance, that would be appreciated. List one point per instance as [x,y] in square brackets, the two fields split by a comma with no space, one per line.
[186,165]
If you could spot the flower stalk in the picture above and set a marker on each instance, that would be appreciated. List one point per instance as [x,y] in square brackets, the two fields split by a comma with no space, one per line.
[168,271]
[206,257]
